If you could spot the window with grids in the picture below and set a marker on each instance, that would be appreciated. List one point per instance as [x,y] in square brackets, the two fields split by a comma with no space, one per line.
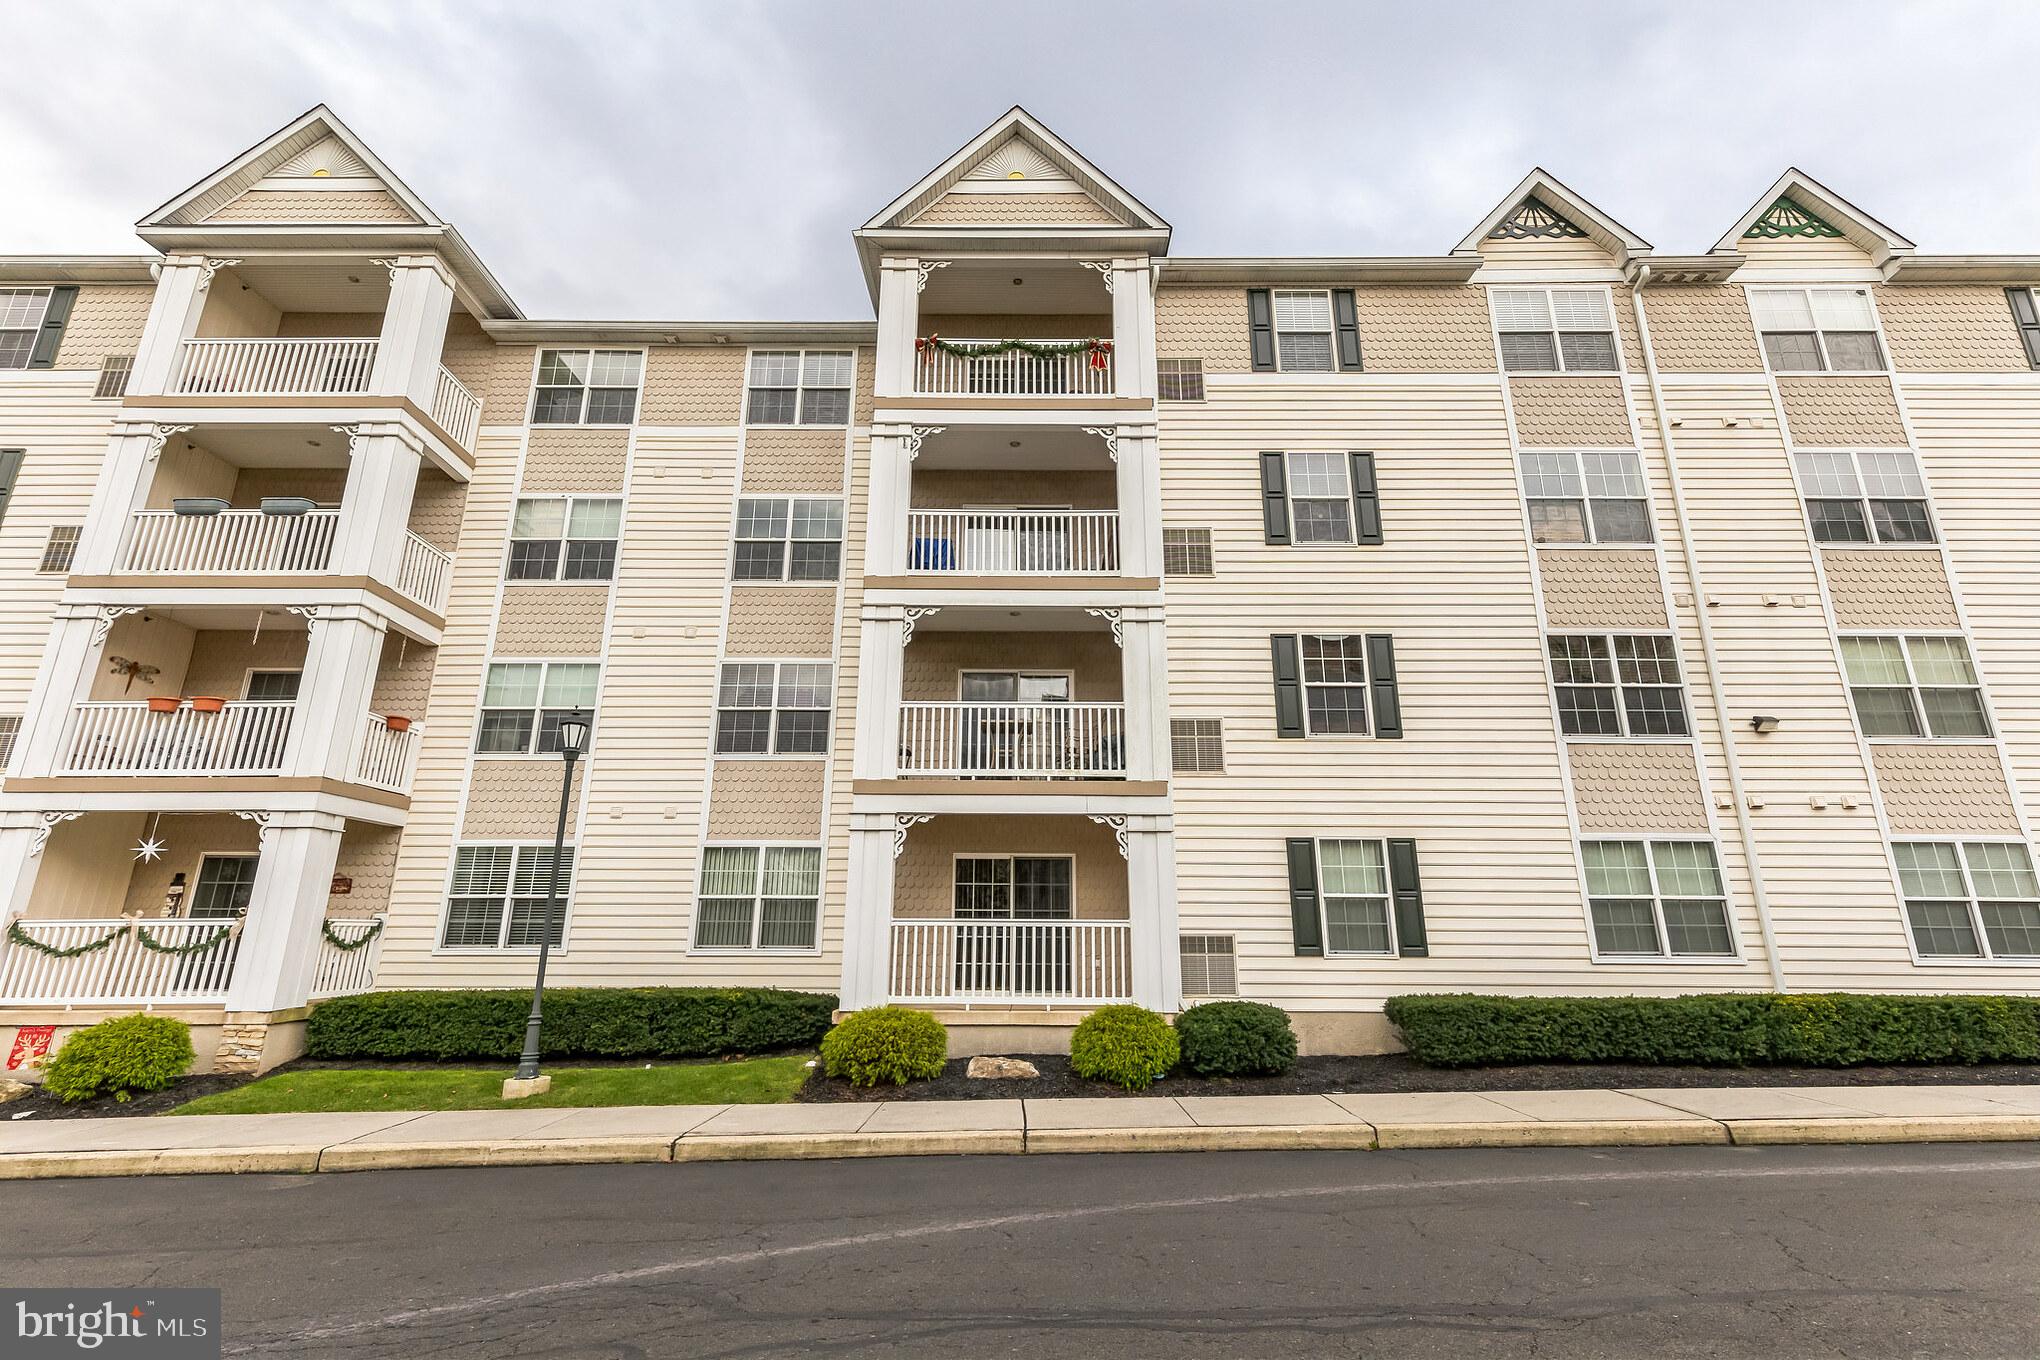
[1303,332]
[1817,330]
[1617,685]
[1914,686]
[1014,888]
[1978,899]
[21,318]
[497,899]
[1186,552]
[1554,330]
[1334,682]
[800,387]
[1320,491]
[1864,496]
[1353,893]
[565,538]
[1210,967]
[759,897]
[113,375]
[1586,496]
[1179,379]
[2026,317]
[524,701]
[772,708]
[1662,898]
[60,547]
[587,386]
[1197,745]
[10,728]
[788,538]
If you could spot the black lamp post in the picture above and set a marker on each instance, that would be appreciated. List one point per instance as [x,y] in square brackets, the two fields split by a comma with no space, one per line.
[573,735]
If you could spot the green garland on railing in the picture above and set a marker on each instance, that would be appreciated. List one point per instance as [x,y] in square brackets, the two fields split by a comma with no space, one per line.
[1097,349]
[28,941]
[349,946]
[152,944]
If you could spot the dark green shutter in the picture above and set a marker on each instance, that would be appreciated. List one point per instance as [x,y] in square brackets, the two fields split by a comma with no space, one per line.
[1303,909]
[1261,329]
[2027,319]
[44,355]
[1288,685]
[1274,499]
[10,469]
[1366,501]
[1410,939]
[1346,322]
[1381,685]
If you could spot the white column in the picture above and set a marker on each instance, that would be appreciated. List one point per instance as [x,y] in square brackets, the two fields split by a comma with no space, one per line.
[181,286]
[1139,489]
[1151,906]
[279,954]
[867,911]
[23,838]
[133,453]
[414,330]
[899,318]
[64,680]
[328,728]
[375,508]
[1133,329]
[1144,662]
[880,660]
[891,493]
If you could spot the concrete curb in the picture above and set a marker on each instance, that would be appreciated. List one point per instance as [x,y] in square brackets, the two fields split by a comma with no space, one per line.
[1556,1133]
[1924,1128]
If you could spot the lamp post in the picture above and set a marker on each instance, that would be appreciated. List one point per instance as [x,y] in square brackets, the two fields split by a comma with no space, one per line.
[573,738]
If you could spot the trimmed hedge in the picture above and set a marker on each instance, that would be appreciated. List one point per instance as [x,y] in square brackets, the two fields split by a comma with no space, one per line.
[120,1057]
[1129,1046]
[888,1044]
[1236,1039]
[1721,1030]
[583,1022]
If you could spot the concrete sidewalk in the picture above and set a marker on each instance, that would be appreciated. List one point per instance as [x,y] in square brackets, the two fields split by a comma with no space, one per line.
[687,1133]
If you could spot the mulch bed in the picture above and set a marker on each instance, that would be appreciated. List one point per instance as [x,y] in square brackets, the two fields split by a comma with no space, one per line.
[1399,1072]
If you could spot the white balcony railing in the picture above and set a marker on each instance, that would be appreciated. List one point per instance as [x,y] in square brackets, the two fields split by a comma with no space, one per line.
[387,756]
[424,573]
[119,967]
[982,370]
[1014,542]
[343,971]
[1038,740]
[274,368]
[456,410]
[1076,963]
[246,736]
[230,543]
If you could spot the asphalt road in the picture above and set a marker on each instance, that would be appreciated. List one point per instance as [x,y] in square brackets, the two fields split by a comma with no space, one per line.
[1775,1252]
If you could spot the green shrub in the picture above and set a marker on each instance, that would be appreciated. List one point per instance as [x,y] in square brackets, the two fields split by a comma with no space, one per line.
[1236,1039]
[1720,1030]
[886,1044]
[580,1022]
[123,1056]
[1129,1046]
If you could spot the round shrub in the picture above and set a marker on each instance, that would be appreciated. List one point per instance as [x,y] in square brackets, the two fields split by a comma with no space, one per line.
[133,1053]
[1236,1039]
[1128,1046]
[886,1044]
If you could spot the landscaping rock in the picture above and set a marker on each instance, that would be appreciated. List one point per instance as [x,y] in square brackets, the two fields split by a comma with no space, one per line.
[11,1089]
[994,1069]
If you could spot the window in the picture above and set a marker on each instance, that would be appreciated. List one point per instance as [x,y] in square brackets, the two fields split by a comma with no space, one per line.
[1209,965]
[1335,682]
[1015,888]
[1320,498]
[10,728]
[2026,317]
[1868,496]
[1813,330]
[1914,687]
[1186,552]
[10,473]
[587,386]
[759,897]
[1624,685]
[21,319]
[1586,496]
[1179,379]
[523,702]
[1982,902]
[1303,332]
[1353,888]
[1554,330]
[564,538]
[275,687]
[61,547]
[800,387]
[226,884]
[772,707]
[113,375]
[498,895]
[1657,898]
[1197,745]
[782,538]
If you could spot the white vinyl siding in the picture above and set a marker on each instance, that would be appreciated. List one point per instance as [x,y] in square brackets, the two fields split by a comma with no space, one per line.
[1817,330]
[1555,330]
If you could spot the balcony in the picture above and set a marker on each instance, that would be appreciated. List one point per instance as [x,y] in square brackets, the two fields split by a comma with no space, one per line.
[230,543]
[243,737]
[388,755]
[118,968]
[1056,740]
[960,963]
[424,573]
[990,368]
[322,366]
[1013,542]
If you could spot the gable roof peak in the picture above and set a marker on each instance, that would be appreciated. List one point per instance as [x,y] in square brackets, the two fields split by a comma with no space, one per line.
[1798,205]
[1540,205]
[280,153]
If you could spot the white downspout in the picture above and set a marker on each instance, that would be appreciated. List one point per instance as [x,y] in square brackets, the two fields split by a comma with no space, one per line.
[1707,653]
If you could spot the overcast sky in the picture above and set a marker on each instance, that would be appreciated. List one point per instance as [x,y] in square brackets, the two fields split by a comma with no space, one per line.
[708,161]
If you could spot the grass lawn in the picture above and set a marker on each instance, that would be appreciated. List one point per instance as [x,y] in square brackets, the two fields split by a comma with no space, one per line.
[752,1081]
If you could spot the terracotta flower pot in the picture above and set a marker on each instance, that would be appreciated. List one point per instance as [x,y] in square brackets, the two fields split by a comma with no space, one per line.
[396,724]
[164,703]
[207,703]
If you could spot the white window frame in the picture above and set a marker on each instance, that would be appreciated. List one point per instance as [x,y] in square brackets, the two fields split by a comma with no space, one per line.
[32,329]
[1863,499]
[1664,957]
[1365,685]
[566,537]
[757,896]
[778,665]
[800,389]
[1619,687]
[956,859]
[1317,846]
[580,420]
[1973,904]
[1554,330]
[1331,331]
[1344,463]
[1819,332]
[786,542]
[518,848]
[537,710]
[1576,459]
[1905,638]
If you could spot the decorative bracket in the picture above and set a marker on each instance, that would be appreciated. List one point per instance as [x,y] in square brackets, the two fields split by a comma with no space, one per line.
[49,821]
[312,614]
[262,824]
[1118,825]
[912,617]
[212,267]
[911,441]
[1108,433]
[1111,616]
[1103,269]
[107,614]
[925,268]
[355,434]
[159,435]
[389,263]
[901,821]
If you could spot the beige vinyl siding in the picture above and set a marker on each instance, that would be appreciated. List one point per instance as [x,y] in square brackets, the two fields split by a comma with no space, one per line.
[1637,788]
[860,396]
[498,374]
[1831,410]
[105,319]
[1793,253]
[322,324]
[924,878]
[1944,790]
[87,867]
[1209,323]
[291,205]
[1950,328]
[1418,329]
[964,209]
[1546,252]
[368,857]
[1569,410]
[939,489]
[551,619]
[220,660]
[1700,328]
[792,460]
[781,621]
[1601,588]
[1889,588]
[563,461]
[518,798]
[324,485]
[436,507]
[933,659]
[767,800]
[403,678]
[693,385]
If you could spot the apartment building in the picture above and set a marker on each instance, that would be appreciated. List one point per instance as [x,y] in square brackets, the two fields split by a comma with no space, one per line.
[1547,615]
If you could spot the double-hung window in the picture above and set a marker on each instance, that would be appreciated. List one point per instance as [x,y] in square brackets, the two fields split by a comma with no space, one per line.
[772,708]
[497,899]
[759,897]
[1656,898]
[21,319]
[1619,685]
[1335,682]
[1303,332]
[523,703]
[1554,330]
[1976,900]
[587,386]
[1914,686]
[1817,330]
[1353,888]
[564,538]
[1320,498]
[782,538]
[1586,496]
[800,387]
[1865,496]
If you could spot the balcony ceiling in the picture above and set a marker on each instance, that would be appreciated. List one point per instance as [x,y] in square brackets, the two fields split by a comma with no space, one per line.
[991,447]
[1002,619]
[294,445]
[229,618]
[1047,288]
[313,283]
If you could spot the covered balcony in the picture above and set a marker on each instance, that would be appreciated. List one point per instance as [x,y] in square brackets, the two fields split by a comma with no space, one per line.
[999,501]
[1014,328]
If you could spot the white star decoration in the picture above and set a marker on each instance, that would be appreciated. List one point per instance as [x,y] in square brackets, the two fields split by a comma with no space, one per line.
[149,849]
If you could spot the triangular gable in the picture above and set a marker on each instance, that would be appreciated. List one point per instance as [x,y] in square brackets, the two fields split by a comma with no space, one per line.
[1534,219]
[1540,206]
[1799,207]
[314,169]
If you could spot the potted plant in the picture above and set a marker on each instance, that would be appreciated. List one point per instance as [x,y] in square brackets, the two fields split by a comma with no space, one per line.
[164,703]
[203,506]
[396,723]
[207,703]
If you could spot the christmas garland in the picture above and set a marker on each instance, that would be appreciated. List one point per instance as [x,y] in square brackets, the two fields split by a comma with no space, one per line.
[153,945]
[27,941]
[1097,349]
[349,946]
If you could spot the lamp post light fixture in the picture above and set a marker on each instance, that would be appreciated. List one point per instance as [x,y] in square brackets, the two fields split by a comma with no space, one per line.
[573,740]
